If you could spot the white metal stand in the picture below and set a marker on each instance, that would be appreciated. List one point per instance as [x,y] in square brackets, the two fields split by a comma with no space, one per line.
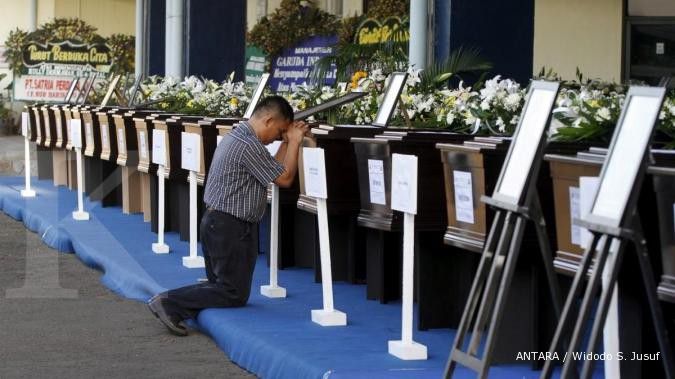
[160,247]
[80,214]
[273,290]
[194,260]
[406,348]
[328,316]
[27,192]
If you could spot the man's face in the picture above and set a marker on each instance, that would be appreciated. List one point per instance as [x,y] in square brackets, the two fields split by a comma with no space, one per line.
[277,126]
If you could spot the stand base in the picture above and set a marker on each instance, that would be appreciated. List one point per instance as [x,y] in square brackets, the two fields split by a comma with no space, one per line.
[193,262]
[273,292]
[160,248]
[408,350]
[27,193]
[80,216]
[329,318]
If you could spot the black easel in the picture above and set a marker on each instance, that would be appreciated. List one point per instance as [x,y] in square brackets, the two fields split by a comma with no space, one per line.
[623,227]
[514,208]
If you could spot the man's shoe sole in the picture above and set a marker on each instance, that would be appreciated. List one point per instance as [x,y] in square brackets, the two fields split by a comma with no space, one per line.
[180,332]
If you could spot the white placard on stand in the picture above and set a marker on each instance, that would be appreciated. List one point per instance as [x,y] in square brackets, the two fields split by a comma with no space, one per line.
[462,185]
[376,182]
[158,158]
[76,136]
[314,167]
[27,191]
[219,138]
[190,150]
[273,290]
[404,199]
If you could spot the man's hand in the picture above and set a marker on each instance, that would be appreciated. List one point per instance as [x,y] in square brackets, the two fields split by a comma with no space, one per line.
[296,132]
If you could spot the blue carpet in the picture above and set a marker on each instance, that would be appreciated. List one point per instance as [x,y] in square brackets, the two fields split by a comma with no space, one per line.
[273,338]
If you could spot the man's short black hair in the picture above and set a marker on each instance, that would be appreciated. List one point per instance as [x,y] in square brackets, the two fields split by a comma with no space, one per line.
[275,104]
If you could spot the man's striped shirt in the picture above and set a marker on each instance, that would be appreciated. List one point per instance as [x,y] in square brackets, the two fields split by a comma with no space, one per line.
[239,175]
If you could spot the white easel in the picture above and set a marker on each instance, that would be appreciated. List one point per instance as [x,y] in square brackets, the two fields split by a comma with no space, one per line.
[159,158]
[76,136]
[404,199]
[273,290]
[315,185]
[190,160]
[25,120]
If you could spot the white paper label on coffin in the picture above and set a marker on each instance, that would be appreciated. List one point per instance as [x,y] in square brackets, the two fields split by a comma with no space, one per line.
[158,147]
[314,167]
[121,144]
[404,183]
[89,134]
[105,142]
[588,186]
[376,181]
[24,124]
[143,151]
[463,187]
[575,213]
[190,146]
[76,133]
[218,139]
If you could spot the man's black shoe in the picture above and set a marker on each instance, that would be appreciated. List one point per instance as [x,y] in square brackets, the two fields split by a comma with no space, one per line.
[155,306]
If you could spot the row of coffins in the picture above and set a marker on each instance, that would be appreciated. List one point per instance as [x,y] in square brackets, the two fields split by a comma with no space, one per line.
[455,171]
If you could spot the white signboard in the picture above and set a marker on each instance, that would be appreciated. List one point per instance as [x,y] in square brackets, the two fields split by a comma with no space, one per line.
[190,143]
[376,181]
[158,147]
[404,183]
[143,151]
[76,132]
[463,196]
[273,147]
[588,186]
[314,166]
[396,83]
[89,134]
[121,144]
[24,124]
[575,213]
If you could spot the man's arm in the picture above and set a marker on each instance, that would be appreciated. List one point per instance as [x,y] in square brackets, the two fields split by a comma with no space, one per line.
[289,151]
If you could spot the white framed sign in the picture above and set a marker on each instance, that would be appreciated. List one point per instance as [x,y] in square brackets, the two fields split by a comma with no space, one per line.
[404,183]
[71,90]
[259,89]
[463,188]
[190,148]
[314,167]
[396,83]
[159,147]
[626,154]
[76,132]
[143,143]
[111,88]
[121,142]
[526,142]
[24,123]
[376,182]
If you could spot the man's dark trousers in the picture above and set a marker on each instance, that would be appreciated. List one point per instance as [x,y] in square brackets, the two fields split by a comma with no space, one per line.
[230,248]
